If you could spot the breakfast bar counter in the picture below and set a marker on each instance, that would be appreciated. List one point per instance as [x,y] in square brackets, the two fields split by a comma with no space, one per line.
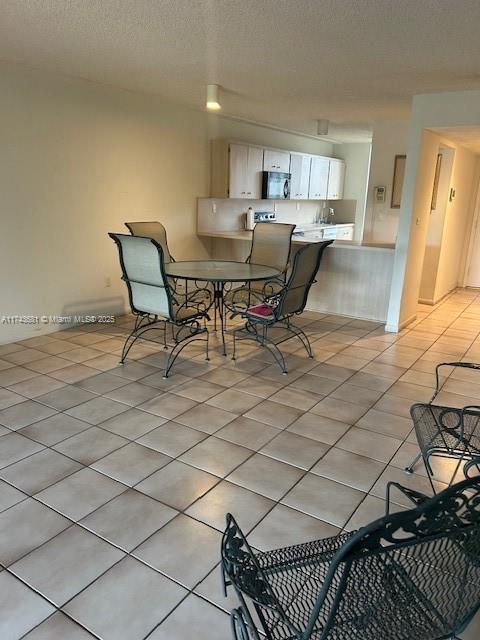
[354,278]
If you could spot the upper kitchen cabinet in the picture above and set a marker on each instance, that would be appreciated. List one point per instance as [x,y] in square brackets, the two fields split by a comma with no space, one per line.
[236,170]
[246,164]
[318,187]
[300,170]
[275,160]
[336,178]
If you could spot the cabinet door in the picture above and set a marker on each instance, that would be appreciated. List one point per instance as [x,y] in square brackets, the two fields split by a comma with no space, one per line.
[276,160]
[345,233]
[330,233]
[238,171]
[300,170]
[336,178]
[254,173]
[318,178]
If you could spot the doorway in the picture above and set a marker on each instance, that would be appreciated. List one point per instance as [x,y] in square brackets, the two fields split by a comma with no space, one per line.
[472,272]
[432,287]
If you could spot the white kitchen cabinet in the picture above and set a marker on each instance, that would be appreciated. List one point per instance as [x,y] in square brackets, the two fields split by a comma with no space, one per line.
[237,172]
[318,186]
[300,170]
[275,160]
[336,178]
[245,171]
[345,233]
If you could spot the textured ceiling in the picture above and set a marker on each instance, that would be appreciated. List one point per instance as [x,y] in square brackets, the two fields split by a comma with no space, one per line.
[283,62]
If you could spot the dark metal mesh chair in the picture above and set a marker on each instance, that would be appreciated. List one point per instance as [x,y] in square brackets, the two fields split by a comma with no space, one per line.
[447,432]
[154,230]
[154,303]
[271,246]
[288,302]
[413,575]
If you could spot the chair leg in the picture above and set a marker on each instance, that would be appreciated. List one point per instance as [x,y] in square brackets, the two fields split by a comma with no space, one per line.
[414,462]
[207,355]
[240,629]
[142,324]
[234,353]
[173,355]
[301,335]
[426,460]
[277,354]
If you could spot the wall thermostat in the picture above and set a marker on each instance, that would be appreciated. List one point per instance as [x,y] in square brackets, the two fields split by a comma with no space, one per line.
[380,193]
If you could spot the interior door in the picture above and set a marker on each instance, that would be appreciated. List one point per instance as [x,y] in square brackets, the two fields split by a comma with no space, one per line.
[473,271]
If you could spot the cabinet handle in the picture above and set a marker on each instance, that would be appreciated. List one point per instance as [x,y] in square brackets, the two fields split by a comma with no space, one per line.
[249,193]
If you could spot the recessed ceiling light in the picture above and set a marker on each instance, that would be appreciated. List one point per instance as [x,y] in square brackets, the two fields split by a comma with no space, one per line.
[212,98]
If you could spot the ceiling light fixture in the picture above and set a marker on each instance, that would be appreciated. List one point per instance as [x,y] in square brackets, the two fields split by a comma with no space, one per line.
[213,103]
[322,127]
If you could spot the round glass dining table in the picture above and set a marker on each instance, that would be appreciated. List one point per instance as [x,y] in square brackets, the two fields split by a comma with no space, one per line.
[219,272]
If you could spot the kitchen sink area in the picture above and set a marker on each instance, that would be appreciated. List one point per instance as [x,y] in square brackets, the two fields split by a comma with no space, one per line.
[324,231]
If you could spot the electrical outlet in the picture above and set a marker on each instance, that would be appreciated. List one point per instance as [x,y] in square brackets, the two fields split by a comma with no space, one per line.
[108,281]
[214,207]
[298,206]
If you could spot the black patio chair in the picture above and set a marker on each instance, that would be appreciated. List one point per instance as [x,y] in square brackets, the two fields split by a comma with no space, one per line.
[413,575]
[447,432]
[270,323]
[271,246]
[154,302]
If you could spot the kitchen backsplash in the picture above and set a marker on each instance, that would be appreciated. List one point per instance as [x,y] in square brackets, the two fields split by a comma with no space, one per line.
[216,214]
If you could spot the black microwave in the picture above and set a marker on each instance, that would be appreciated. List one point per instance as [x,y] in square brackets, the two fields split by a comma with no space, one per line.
[276,185]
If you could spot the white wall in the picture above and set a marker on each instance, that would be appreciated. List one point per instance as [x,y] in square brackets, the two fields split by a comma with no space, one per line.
[381,221]
[220,127]
[77,160]
[357,160]
[453,109]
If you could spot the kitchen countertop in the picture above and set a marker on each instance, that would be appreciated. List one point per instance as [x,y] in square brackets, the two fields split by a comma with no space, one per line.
[308,237]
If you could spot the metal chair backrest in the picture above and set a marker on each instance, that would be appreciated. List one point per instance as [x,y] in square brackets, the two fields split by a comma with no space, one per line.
[305,266]
[413,574]
[271,245]
[142,264]
[154,230]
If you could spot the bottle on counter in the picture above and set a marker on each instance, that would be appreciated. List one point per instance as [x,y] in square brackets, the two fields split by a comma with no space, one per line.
[249,219]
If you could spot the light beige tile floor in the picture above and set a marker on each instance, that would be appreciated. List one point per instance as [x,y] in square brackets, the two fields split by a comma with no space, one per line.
[114,483]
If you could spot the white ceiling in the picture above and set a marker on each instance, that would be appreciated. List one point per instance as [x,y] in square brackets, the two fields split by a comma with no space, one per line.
[283,62]
[468,137]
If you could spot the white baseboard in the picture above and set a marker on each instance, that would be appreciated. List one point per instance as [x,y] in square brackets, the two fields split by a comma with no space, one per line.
[395,328]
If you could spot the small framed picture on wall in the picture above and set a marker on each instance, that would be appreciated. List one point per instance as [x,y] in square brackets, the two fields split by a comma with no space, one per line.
[397,183]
